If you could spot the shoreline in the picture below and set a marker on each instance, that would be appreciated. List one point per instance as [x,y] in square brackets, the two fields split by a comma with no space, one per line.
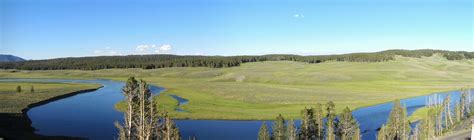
[18,125]
[355,109]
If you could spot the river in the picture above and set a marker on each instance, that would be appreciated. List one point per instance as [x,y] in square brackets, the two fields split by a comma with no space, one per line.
[92,115]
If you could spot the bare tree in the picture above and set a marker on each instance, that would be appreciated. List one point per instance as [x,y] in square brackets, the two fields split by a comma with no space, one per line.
[142,118]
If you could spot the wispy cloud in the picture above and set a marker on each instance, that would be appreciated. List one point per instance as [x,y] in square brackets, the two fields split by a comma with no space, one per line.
[198,53]
[108,51]
[152,48]
[166,48]
[140,49]
[144,47]
[298,16]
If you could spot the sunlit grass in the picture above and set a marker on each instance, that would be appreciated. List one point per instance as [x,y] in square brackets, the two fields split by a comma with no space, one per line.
[262,90]
[13,102]
[419,114]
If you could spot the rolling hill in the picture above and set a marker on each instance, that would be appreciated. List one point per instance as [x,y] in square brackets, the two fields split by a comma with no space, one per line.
[10,58]
[262,90]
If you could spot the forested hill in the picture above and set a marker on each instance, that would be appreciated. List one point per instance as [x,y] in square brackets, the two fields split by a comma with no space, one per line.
[10,58]
[162,61]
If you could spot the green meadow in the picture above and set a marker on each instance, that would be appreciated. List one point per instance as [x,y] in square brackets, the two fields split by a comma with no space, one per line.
[262,90]
[12,101]
[419,114]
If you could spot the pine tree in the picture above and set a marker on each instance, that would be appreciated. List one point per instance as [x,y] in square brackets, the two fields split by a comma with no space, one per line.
[347,125]
[307,127]
[465,103]
[32,89]
[398,126]
[18,89]
[263,133]
[170,131]
[291,130]
[319,121]
[425,129]
[331,115]
[279,128]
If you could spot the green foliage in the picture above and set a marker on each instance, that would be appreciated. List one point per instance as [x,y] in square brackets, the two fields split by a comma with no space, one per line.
[32,89]
[163,61]
[274,87]
[279,128]
[308,124]
[263,133]
[312,125]
[331,115]
[18,89]
[398,126]
[291,130]
[142,119]
[465,102]
[14,103]
[319,121]
[427,126]
[347,126]
[438,120]
[458,112]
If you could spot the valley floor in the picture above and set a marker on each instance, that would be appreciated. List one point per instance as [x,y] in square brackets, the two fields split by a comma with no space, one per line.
[262,90]
[14,123]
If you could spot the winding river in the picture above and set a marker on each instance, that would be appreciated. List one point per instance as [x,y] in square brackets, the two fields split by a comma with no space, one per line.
[92,115]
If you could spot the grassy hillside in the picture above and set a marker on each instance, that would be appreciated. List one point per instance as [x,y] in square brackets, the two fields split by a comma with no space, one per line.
[13,102]
[262,90]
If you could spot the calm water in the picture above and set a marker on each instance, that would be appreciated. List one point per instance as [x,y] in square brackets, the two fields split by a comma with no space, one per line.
[92,115]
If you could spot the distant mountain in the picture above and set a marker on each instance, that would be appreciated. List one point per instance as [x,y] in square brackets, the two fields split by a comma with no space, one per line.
[10,58]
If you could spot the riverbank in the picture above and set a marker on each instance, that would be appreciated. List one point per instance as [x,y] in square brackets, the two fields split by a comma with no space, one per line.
[262,90]
[15,125]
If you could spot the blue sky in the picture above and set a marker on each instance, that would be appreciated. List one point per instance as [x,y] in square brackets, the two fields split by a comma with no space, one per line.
[71,28]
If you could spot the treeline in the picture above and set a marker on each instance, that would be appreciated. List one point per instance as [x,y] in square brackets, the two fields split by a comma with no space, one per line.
[163,61]
[313,126]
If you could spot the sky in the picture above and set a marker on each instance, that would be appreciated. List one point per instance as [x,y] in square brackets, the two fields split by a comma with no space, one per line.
[47,29]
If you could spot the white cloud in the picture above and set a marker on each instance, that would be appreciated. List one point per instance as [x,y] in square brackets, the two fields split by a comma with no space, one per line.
[140,49]
[198,53]
[152,48]
[298,16]
[144,47]
[107,51]
[166,48]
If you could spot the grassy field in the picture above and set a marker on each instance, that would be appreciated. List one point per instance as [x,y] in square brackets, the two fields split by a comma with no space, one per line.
[419,114]
[13,102]
[262,90]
